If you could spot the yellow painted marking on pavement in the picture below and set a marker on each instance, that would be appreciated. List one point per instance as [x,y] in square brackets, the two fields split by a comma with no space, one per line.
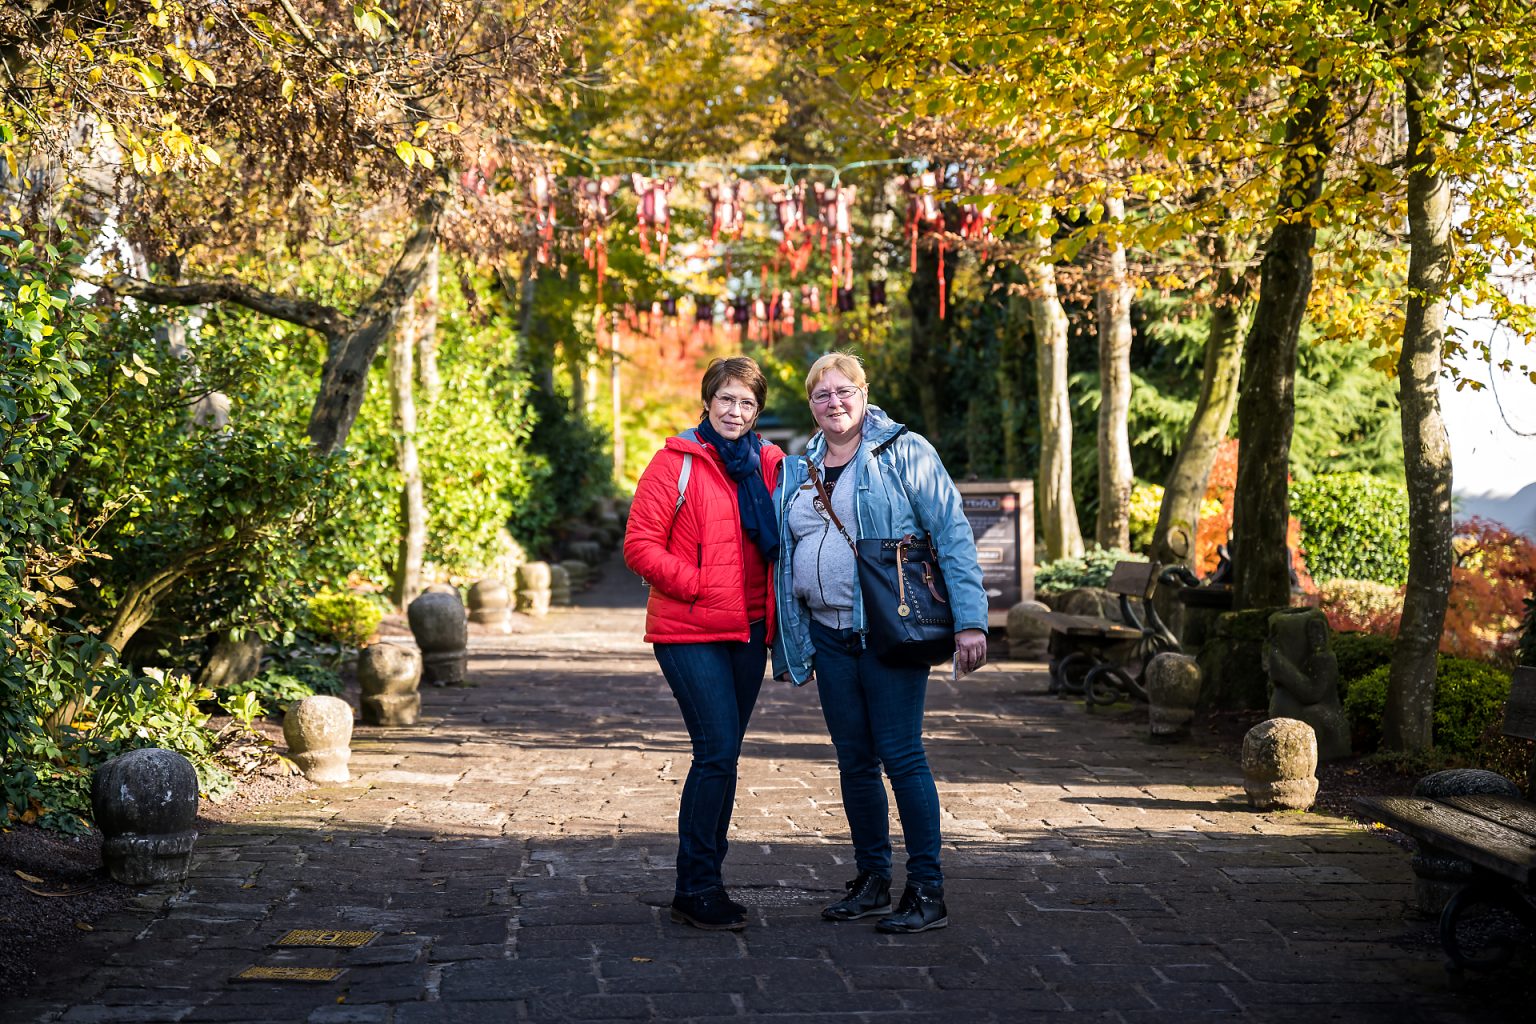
[289,974]
[320,937]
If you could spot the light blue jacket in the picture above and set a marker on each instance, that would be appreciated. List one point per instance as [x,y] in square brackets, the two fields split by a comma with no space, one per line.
[902,488]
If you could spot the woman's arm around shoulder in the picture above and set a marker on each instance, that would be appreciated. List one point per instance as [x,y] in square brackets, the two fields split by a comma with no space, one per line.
[651,524]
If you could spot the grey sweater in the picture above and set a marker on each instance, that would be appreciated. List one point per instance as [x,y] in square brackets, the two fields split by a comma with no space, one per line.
[825,569]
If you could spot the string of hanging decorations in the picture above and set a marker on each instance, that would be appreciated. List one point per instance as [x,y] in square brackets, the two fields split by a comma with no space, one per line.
[808,206]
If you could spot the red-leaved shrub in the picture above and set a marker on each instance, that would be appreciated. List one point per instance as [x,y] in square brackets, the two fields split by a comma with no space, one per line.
[1495,571]
[1212,530]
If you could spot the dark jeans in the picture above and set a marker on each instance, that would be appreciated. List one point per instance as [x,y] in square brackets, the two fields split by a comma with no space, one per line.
[874,714]
[716,685]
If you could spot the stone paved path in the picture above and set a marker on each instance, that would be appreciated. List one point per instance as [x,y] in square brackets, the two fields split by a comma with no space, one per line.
[515,850]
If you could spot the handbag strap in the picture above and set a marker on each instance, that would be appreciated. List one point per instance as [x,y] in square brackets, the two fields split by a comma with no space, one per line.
[826,502]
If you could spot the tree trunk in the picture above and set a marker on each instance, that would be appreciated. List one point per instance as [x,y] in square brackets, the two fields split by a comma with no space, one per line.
[351,341]
[344,378]
[1179,517]
[1409,714]
[1112,303]
[927,362]
[1053,483]
[406,578]
[1266,407]
[427,298]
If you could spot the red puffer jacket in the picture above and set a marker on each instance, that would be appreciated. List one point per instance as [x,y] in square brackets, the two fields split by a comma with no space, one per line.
[695,565]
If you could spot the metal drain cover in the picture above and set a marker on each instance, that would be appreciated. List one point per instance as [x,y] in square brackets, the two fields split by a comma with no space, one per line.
[320,937]
[313,974]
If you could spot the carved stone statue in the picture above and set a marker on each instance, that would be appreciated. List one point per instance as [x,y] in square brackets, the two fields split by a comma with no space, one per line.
[1304,678]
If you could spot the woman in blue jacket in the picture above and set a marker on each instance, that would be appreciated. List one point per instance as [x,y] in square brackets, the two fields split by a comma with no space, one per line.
[883,481]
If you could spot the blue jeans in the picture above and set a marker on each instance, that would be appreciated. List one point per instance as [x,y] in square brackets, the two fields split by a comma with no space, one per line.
[874,713]
[716,685]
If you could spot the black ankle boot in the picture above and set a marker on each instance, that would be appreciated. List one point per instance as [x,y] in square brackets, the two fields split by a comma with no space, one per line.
[921,908]
[711,910]
[868,894]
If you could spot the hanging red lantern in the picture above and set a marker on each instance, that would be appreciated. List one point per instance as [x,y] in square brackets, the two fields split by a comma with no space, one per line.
[924,216]
[654,212]
[834,211]
[592,197]
[541,195]
[726,201]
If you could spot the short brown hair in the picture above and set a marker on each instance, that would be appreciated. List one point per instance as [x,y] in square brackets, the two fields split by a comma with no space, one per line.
[844,363]
[742,369]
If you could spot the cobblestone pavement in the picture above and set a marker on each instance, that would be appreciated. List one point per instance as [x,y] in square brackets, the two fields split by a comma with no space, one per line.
[515,853]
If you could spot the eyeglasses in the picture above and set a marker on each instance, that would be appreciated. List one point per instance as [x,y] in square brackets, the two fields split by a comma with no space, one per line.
[745,406]
[844,395]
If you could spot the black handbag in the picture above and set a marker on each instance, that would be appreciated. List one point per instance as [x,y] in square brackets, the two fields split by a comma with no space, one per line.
[906,604]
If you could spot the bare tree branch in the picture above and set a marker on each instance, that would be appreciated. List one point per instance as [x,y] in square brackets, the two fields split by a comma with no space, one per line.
[317,316]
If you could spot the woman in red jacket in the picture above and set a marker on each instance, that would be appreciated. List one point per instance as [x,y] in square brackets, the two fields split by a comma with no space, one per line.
[703,533]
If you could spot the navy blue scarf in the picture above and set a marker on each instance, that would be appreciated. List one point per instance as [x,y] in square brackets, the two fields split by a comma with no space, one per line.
[744,464]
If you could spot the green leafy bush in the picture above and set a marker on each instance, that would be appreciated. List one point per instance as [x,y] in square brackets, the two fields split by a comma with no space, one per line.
[348,618]
[1359,654]
[1525,650]
[1469,701]
[1353,525]
[1091,570]
[276,688]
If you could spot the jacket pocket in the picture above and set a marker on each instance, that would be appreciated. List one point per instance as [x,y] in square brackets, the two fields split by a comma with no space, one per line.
[698,587]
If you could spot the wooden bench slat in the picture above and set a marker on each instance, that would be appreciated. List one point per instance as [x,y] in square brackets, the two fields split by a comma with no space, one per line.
[1511,812]
[1083,625]
[1135,579]
[1520,709]
[1487,844]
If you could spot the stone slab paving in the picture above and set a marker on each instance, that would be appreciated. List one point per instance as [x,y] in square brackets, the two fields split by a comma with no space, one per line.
[515,853]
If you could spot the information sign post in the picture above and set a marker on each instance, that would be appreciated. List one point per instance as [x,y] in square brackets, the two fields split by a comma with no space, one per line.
[1002,516]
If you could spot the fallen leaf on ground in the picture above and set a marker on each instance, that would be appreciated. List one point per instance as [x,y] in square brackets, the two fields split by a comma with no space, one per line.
[83,926]
[28,878]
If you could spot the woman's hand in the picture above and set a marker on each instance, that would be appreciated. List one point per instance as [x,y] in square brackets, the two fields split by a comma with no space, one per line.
[970,650]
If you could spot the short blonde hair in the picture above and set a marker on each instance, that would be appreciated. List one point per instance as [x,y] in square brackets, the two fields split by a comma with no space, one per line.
[844,363]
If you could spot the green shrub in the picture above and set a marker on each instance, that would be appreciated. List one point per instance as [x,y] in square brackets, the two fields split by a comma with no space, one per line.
[348,618]
[1353,525]
[1525,651]
[276,688]
[1469,700]
[1091,570]
[1359,654]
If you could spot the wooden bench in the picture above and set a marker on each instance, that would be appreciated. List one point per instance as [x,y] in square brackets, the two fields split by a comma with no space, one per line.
[1079,643]
[1495,834]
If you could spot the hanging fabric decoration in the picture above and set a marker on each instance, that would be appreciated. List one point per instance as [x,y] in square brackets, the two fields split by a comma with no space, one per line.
[810,307]
[653,212]
[541,194]
[976,219]
[789,208]
[726,200]
[593,207]
[834,209]
[925,216]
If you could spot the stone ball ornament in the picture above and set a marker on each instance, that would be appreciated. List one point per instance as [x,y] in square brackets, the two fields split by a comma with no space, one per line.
[319,734]
[441,628]
[144,802]
[389,676]
[1280,765]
